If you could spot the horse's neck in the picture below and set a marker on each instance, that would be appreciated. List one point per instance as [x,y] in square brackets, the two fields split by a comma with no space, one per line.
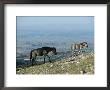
[73,46]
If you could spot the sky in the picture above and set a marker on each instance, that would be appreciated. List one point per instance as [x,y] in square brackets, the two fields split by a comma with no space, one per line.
[55,24]
[65,28]
[55,28]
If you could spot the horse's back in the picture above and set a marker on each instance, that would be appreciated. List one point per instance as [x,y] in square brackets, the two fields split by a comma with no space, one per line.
[49,49]
[37,52]
[78,46]
[43,51]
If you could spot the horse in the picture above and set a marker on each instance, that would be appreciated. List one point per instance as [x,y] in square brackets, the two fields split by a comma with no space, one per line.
[76,47]
[44,51]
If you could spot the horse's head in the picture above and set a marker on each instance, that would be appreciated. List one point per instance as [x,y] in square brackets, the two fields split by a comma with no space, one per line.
[54,51]
[85,44]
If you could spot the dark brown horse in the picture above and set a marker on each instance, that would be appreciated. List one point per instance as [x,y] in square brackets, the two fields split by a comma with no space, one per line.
[44,51]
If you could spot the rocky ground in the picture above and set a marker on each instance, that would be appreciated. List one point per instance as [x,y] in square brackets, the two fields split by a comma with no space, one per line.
[81,64]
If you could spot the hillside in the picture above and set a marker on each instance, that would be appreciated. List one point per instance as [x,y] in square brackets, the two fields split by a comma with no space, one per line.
[81,64]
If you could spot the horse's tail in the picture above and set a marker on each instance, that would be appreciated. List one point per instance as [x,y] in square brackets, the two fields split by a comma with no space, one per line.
[30,55]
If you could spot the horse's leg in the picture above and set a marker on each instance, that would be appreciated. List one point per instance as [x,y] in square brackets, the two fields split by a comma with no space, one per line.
[36,58]
[80,51]
[32,61]
[30,56]
[44,58]
[72,52]
[49,59]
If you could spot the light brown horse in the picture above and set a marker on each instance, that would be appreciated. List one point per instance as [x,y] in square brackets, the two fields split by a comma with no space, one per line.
[78,46]
[44,51]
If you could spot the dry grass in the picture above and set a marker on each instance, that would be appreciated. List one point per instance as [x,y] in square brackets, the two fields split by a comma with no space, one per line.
[82,64]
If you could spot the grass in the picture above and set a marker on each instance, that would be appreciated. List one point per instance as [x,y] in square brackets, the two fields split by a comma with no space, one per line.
[81,64]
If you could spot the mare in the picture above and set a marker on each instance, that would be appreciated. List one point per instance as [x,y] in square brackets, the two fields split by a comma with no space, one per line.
[44,51]
[77,47]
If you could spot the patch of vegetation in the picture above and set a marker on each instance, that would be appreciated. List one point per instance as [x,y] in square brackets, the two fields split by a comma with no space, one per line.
[81,64]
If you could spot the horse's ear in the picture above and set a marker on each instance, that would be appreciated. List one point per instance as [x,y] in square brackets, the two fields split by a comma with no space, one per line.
[85,42]
[81,43]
